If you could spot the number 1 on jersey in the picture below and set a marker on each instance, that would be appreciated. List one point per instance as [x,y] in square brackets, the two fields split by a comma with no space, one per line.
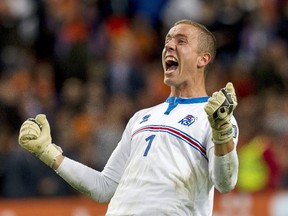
[149,140]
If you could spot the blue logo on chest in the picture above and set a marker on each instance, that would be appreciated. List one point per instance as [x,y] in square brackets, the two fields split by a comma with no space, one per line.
[188,120]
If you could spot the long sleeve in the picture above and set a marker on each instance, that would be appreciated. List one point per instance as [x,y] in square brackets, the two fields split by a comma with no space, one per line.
[225,171]
[87,180]
[100,186]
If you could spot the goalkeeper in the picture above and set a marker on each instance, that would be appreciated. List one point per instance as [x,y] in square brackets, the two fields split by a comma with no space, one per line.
[171,156]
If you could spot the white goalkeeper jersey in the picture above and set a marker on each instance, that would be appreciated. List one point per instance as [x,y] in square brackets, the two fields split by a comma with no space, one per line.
[163,165]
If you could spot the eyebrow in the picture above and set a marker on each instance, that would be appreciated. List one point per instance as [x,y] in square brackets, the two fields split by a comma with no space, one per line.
[176,36]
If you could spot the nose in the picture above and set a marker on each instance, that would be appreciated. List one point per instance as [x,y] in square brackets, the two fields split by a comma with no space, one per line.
[170,45]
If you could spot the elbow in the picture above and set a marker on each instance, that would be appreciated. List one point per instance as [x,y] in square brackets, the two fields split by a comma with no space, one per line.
[100,198]
[102,201]
[224,190]
[225,186]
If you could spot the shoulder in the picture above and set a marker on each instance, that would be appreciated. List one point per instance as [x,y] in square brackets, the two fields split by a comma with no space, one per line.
[147,110]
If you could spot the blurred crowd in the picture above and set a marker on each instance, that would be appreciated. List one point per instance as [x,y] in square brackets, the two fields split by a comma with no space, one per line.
[89,65]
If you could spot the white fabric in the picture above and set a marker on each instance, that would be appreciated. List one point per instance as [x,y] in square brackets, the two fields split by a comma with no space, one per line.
[87,180]
[163,164]
[222,171]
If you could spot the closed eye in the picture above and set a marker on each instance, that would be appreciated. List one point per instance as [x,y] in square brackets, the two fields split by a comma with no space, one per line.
[182,41]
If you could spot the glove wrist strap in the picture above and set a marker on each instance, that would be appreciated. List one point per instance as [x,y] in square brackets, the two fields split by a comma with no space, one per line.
[221,136]
[49,154]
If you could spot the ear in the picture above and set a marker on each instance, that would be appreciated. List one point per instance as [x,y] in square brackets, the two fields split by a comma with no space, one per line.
[203,60]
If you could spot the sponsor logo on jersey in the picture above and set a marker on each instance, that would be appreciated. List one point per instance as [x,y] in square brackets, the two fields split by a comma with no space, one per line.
[145,118]
[188,120]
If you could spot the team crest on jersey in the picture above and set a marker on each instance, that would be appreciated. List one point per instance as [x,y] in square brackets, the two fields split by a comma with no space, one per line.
[145,118]
[188,120]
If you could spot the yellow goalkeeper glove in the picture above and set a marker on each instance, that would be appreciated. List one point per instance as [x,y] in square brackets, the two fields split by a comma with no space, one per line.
[219,109]
[35,137]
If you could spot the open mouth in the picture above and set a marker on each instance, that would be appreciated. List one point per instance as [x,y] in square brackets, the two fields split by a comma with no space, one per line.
[171,63]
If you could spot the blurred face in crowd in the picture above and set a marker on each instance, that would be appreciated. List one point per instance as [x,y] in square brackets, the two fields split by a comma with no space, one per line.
[182,59]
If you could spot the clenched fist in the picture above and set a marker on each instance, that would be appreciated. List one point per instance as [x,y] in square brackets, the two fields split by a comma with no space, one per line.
[34,136]
[219,109]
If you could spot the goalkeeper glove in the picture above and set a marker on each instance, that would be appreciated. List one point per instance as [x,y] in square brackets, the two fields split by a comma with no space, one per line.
[35,137]
[219,109]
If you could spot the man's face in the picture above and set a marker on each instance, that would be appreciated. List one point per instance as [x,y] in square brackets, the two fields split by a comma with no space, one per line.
[180,55]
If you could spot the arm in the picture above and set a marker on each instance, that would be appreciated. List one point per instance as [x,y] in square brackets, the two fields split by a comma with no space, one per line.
[84,179]
[221,150]
[59,159]
[223,165]
[87,180]
[98,185]
[35,137]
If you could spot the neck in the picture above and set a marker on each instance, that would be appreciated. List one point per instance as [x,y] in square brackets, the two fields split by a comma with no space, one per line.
[188,91]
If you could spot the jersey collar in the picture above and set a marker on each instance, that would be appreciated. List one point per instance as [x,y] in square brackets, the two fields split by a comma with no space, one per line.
[178,100]
[174,101]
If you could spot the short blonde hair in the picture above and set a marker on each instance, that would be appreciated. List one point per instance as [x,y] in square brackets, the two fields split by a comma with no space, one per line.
[206,39]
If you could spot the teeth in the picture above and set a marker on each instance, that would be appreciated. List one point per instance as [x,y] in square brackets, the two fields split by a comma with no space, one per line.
[170,58]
